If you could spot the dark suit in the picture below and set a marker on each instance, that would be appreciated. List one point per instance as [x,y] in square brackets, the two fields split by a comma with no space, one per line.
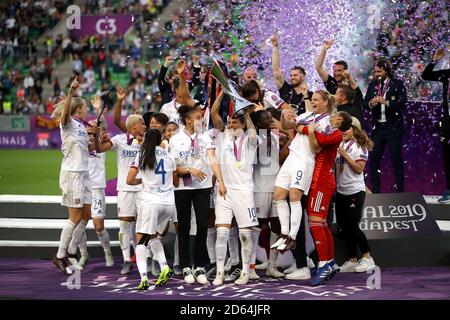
[389,132]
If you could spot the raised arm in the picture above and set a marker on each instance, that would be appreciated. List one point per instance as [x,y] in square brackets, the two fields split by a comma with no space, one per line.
[430,75]
[162,84]
[252,136]
[183,89]
[215,117]
[65,116]
[321,58]
[276,69]
[121,94]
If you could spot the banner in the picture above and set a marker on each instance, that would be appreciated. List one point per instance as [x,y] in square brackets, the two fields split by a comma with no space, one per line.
[15,123]
[397,215]
[116,24]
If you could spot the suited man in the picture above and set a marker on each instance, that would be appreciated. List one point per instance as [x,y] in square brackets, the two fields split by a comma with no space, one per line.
[386,98]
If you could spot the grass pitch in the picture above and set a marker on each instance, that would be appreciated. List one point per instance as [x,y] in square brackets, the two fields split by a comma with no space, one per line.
[36,172]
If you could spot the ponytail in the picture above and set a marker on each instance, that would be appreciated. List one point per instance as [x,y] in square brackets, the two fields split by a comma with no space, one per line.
[362,138]
[152,139]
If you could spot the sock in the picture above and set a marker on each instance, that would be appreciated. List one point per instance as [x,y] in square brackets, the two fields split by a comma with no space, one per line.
[320,240]
[149,253]
[83,244]
[141,259]
[176,253]
[233,244]
[273,255]
[133,234]
[255,237]
[296,218]
[103,236]
[124,239]
[66,235]
[211,244]
[330,243]
[283,214]
[158,252]
[76,237]
[245,235]
[221,248]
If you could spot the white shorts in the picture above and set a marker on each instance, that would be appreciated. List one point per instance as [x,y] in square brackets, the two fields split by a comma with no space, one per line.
[153,218]
[238,203]
[174,216]
[127,203]
[76,188]
[264,205]
[296,173]
[98,208]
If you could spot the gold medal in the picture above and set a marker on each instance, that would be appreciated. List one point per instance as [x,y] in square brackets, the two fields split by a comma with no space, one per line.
[238,164]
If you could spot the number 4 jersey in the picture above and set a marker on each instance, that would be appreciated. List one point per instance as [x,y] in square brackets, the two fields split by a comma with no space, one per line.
[158,182]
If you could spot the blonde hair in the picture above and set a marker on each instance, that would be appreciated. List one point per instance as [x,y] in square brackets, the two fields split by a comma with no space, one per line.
[329,99]
[77,102]
[132,120]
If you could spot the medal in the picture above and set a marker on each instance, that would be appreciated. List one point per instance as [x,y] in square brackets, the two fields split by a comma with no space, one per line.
[238,152]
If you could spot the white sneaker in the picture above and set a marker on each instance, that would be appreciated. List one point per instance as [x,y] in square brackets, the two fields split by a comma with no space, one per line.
[365,264]
[84,259]
[220,278]
[291,269]
[243,279]
[75,264]
[200,276]
[262,266]
[109,260]
[310,263]
[253,275]
[278,243]
[348,266]
[188,276]
[273,272]
[299,274]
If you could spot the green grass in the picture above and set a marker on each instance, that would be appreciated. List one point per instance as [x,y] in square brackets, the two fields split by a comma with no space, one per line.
[37,171]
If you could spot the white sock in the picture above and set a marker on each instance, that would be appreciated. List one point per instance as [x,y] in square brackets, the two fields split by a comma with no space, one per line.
[296,218]
[176,253]
[124,239]
[83,244]
[149,253]
[158,251]
[283,214]
[141,259]
[133,234]
[245,235]
[103,236]
[255,237]
[273,253]
[233,244]
[211,244]
[76,237]
[66,235]
[221,247]
[322,263]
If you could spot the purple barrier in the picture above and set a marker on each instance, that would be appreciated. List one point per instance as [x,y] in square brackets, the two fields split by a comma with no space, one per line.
[116,24]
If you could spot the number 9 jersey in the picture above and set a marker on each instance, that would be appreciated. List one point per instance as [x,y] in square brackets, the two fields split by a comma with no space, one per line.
[157,182]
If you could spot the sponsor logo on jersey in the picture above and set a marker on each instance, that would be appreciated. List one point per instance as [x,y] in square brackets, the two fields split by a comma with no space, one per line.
[82,133]
[129,153]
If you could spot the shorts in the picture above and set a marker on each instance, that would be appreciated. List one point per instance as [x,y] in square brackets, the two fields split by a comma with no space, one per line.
[174,216]
[319,202]
[98,208]
[296,173]
[127,203]
[264,205]
[76,188]
[238,203]
[153,218]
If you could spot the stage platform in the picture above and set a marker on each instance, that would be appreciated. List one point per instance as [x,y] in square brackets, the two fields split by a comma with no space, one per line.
[39,279]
